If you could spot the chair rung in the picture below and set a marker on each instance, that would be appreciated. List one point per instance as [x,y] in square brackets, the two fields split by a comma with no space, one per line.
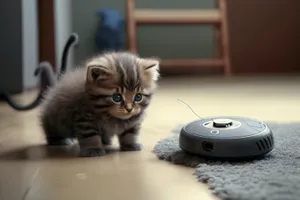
[192,16]
[192,62]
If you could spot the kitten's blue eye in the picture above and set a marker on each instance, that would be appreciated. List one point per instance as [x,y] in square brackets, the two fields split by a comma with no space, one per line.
[117,98]
[138,97]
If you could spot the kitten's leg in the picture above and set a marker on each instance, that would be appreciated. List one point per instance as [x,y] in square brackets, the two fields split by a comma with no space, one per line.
[57,141]
[128,140]
[52,138]
[106,139]
[88,136]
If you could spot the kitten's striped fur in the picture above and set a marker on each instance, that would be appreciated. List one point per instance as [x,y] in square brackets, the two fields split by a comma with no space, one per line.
[85,104]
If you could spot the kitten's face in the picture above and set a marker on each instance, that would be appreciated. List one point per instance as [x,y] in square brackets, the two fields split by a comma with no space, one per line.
[121,84]
[125,103]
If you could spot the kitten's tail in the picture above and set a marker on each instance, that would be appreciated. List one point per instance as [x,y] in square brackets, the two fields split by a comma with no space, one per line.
[48,78]
[72,40]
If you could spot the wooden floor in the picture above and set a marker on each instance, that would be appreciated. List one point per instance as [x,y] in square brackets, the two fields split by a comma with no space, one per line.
[30,171]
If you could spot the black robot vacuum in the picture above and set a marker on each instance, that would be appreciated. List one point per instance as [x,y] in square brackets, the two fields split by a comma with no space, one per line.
[227,138]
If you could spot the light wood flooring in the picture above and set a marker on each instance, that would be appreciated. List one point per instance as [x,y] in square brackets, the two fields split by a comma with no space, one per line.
[31,171]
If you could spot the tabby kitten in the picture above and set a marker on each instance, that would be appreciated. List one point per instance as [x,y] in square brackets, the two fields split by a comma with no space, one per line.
[106,97]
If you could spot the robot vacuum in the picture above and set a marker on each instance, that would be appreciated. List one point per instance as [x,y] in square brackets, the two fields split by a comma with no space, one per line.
[227,137]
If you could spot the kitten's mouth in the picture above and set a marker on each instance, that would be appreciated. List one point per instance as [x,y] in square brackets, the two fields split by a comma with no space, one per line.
[122,115]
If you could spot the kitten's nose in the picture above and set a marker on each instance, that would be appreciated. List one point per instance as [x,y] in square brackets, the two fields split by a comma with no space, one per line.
[128,107]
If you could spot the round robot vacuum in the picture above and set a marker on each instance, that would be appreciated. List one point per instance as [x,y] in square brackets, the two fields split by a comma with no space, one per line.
[227,137]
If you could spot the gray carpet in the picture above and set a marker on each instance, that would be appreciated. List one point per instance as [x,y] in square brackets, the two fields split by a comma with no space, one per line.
[276,177]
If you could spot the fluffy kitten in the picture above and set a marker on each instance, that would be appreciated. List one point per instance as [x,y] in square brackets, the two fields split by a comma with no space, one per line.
[106,97]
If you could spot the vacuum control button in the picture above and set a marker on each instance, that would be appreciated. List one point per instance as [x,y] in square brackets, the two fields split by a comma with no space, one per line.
[222,123]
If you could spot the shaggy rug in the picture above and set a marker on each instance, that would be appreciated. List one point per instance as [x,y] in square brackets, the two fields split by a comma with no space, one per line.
[276,177]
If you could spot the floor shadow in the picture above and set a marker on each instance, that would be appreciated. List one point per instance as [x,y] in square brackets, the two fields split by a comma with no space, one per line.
[43,152]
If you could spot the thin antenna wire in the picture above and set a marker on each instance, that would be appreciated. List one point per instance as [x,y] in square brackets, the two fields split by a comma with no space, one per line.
[189,108]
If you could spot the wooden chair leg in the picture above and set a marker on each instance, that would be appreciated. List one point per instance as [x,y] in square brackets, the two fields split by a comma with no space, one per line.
[131,27]
[217,37]
[217,41]
[225,37]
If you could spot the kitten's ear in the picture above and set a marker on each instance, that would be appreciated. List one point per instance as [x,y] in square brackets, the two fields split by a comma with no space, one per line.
[97,72]
[151,68]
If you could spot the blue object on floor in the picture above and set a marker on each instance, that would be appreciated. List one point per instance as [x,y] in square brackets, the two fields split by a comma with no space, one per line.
[110,35]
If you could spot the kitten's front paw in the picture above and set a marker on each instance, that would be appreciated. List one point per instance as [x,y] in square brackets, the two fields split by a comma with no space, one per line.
[131,147]
[92,152]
